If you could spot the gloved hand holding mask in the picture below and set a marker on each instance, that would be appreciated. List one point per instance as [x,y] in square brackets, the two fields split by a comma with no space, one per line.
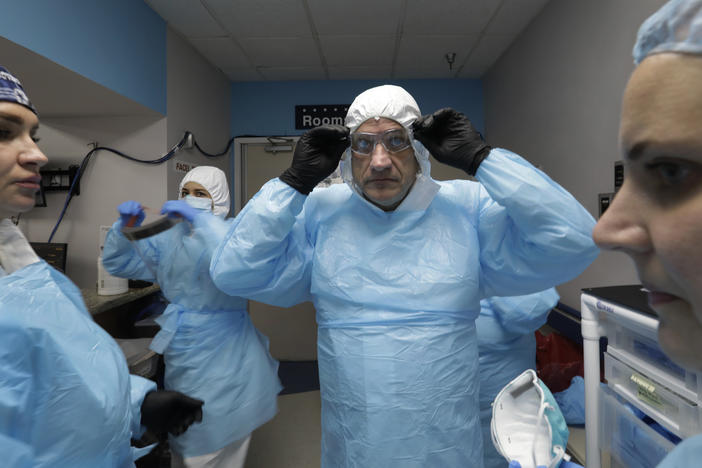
[167,411]
[316,156]
[451,139]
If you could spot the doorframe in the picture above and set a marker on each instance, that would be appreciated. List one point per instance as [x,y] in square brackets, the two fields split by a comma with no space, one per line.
[239,164]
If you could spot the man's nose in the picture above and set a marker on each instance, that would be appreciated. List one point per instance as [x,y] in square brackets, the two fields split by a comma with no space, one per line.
[622,226]
[380,158]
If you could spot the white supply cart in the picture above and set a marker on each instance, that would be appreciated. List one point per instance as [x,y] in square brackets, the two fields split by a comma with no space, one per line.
[638,373]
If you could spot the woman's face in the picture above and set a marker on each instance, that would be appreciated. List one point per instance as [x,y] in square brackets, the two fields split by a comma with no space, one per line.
[195,190]
[656,217]
[20,159]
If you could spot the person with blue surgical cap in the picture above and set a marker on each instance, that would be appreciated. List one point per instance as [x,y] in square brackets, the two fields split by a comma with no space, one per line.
[396,264]
[506,348]
[656,217]
[210,347]
[66,396]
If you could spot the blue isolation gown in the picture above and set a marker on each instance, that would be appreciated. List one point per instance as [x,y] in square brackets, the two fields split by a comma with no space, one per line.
[506,348]
[66,396]
[397,294]
[687,454]
[211,349]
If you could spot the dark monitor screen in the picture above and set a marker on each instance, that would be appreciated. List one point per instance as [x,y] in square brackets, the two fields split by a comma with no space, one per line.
[53,253]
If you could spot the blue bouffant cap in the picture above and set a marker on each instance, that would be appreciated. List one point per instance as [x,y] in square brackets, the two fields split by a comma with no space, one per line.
[11,90]
[675,27]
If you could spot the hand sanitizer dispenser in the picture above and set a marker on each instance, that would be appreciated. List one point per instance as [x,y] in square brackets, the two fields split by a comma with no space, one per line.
[108,285]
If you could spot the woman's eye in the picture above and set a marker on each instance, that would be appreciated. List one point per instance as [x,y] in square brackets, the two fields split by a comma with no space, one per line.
[5,135]
[670,173]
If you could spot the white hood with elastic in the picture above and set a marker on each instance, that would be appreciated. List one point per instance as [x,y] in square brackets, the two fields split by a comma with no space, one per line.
[215,181]
[392,102]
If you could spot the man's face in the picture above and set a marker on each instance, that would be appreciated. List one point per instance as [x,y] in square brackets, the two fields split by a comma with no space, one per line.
[384,177]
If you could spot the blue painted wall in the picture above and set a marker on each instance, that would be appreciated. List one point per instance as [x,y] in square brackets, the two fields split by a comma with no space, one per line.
[268,108]
[120,44]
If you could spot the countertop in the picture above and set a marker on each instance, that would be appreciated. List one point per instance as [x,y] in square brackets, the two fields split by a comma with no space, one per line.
[99,304]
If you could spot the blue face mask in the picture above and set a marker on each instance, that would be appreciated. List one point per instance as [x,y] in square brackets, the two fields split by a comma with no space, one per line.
[200,203]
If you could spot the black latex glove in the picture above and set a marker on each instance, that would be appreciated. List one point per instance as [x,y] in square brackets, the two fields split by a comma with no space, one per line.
[317,154]
[451,139]
[166,411]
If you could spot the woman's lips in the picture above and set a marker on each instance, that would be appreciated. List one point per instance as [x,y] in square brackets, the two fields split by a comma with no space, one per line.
[659,298]
[33,183]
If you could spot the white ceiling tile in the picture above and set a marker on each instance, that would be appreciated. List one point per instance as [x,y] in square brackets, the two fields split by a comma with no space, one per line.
[429,52]
[188,17]
[222,52]
[357,38]
[490,48]
[281,51]
[292,73]
[261,18]
[243,74]
[358,50]
[419,71]
[360,73]
[432,17]
[355,18]
[515,15]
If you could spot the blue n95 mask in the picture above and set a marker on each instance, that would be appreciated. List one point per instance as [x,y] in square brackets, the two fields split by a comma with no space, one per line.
[527,424]
[200,203]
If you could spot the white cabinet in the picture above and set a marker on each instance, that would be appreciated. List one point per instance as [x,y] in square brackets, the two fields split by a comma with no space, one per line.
[641,381]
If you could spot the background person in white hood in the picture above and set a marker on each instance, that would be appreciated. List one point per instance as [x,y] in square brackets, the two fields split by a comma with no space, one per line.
[208,342]
[396,264]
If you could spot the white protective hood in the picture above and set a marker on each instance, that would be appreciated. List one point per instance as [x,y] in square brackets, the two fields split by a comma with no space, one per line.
[215,181]
[392,102]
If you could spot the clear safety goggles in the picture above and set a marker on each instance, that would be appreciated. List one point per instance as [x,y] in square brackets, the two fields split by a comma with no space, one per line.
[393,140]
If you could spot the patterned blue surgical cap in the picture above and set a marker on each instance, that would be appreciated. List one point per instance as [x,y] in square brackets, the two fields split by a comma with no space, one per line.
[11,90]
[676,27]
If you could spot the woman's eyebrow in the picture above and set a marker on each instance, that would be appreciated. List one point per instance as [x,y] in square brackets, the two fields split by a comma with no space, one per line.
[11,118]
[636,151]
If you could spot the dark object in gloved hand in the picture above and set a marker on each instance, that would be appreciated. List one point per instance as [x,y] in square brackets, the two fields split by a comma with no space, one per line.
[451,139]
[167,411]
[317,154]
[131,213]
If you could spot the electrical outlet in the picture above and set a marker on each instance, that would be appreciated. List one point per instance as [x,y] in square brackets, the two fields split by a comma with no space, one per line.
[604,200]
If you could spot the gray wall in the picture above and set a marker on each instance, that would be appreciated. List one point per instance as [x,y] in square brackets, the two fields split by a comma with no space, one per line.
[108,181]
[198,101]
[554,97]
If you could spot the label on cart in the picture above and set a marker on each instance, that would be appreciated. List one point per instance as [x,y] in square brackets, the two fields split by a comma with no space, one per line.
[647,392]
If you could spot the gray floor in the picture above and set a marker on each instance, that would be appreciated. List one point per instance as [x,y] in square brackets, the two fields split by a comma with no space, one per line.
[292,438]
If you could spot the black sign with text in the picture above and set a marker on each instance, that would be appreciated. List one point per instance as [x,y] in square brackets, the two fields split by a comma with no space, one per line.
[310,116]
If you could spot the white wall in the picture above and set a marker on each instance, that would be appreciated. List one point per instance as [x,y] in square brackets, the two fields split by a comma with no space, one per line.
[198,101]
[554,97]
[108,181]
